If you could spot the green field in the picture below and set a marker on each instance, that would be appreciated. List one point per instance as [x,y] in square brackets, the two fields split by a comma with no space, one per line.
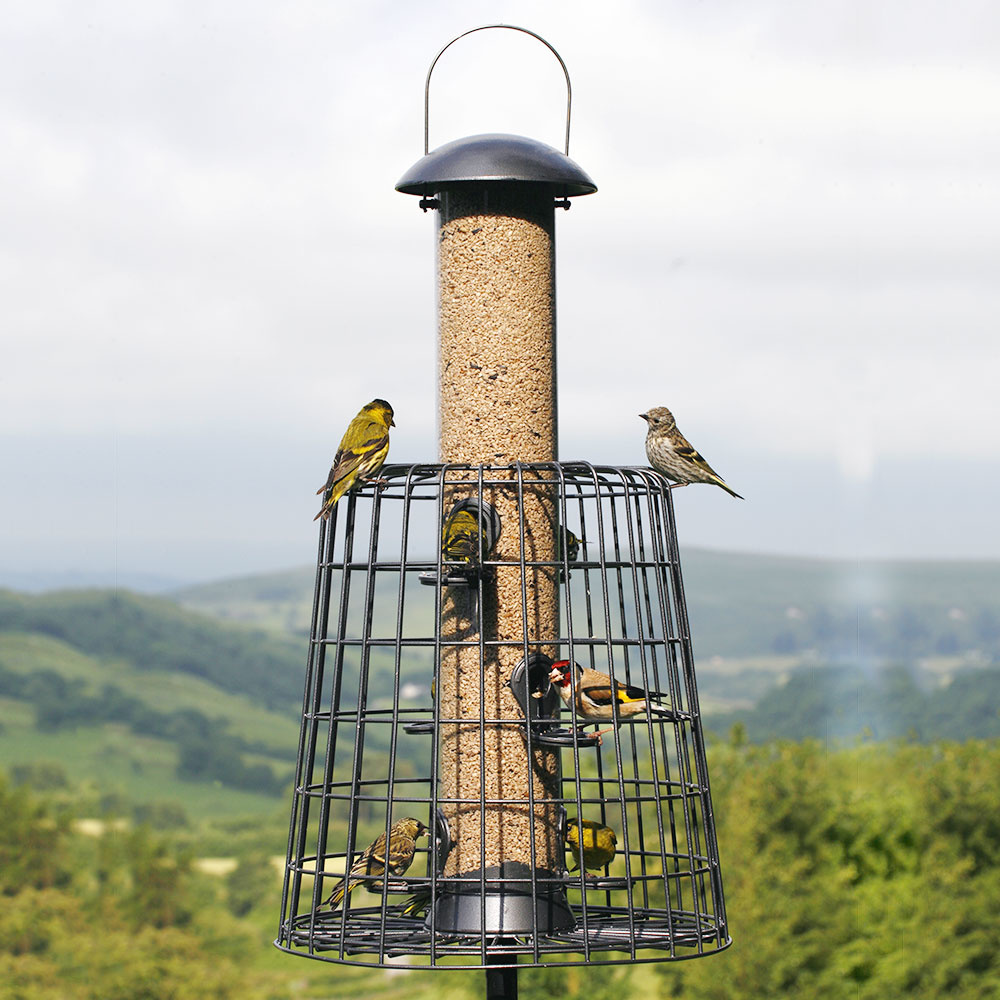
[161,689]
[113,764]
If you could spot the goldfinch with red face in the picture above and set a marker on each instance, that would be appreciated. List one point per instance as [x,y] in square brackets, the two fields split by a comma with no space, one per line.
[592,695]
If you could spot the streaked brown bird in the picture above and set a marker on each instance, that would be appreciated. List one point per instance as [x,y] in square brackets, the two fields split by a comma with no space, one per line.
[671,454]
[592,695]
[362,451]
[417,904]
[373,862]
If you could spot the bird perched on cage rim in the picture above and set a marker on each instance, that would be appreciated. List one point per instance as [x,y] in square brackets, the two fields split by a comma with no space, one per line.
[592,694]
[362,451]
[671,454]
[599,843]
[374,861]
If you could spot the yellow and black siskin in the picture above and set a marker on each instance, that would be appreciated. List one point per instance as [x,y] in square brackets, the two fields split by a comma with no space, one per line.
[374,861]
[461,538]
[572,548]
[417,904]
[363,449]
[599,843]
[468,537]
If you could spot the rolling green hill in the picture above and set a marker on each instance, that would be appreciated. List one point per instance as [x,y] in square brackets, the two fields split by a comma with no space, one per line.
[160,690]
[135,697]
[842,703]
[147,700]
[743,607]
[201,693]
[755,619]
[742,604]
[154,634]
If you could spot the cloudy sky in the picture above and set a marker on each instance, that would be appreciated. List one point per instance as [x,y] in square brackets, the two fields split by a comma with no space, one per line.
[795,245]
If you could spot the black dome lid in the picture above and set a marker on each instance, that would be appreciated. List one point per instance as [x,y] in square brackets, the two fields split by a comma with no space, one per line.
[495,157]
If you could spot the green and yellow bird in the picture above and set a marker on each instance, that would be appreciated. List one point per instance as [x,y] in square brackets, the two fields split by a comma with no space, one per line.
[461,537]
[362,451]
[572,545]
[372,864]
[600,843]
[572,548]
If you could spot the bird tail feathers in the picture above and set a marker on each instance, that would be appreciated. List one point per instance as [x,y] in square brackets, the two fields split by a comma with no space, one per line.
[728,489]
[329,503]
[336,896]
[655,706]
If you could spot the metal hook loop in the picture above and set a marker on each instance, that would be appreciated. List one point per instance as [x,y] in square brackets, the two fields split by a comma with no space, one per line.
[484,27]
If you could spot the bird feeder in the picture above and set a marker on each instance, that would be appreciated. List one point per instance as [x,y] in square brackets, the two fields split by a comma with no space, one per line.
[445,594]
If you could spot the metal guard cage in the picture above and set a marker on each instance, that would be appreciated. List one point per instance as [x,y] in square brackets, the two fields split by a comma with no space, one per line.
[369,750]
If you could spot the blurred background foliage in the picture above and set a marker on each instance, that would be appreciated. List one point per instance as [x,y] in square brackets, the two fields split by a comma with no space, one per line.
[147,746]
[867,871]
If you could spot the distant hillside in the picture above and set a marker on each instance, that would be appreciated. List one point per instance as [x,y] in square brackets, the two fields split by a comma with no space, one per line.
[197,698]
[858,610]
[843,703]
[42,669]
[153,633]
[281,601]
[743,605]
[39,581]
[136,694]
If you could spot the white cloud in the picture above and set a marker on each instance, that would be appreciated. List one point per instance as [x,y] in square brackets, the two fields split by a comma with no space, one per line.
[794,244]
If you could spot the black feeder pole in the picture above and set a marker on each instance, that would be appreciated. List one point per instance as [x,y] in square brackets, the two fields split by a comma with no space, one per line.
[501,983]
[449,597]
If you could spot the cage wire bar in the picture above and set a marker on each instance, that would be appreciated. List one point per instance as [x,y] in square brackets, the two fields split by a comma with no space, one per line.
[370,750]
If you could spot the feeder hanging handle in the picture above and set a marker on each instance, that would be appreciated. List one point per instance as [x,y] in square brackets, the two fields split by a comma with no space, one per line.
[484,27]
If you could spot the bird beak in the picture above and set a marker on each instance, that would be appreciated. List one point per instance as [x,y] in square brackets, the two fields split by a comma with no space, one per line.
[555,675]
[645,416]
[392,423]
